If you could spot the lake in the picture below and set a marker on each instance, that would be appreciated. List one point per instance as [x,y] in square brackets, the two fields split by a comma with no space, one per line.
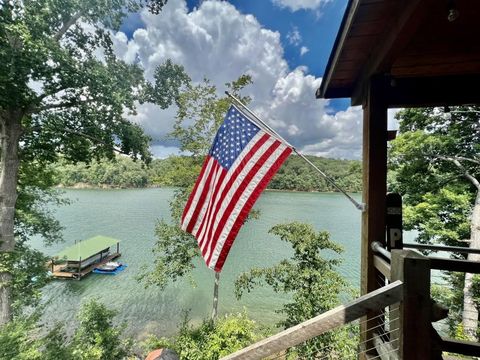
[131,216]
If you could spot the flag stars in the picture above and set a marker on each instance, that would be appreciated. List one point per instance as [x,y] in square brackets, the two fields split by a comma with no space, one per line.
[232,137]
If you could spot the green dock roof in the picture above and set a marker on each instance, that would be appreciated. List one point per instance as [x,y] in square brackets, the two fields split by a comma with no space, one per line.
[86,248]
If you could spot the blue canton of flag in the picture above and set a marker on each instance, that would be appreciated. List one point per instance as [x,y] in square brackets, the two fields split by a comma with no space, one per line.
[232,137]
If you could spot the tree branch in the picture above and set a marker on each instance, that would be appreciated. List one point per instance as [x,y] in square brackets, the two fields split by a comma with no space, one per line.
[94,139]
[67,26]
[466,174]
[61,105]
[82,134]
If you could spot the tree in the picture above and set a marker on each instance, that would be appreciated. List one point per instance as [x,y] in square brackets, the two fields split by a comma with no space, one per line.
[200,113]
[63,90]
[314,284]
[95,338]
[209,340]
[435,163]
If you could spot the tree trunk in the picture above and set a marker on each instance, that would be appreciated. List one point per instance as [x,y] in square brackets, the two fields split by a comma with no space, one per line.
[470,311]
[10,132]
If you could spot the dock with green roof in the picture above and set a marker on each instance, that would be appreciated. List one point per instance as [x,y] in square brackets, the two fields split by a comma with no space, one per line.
[83,257]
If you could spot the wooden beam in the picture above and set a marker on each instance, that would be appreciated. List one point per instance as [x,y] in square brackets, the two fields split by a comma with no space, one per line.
[382,266]
[410,15]
[459,249]
[468,348]
[345,26]
[433,91]
[465,266]
[374,191]
[322,323]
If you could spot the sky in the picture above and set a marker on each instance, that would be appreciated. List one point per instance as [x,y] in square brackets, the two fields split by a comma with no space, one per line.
[283,44]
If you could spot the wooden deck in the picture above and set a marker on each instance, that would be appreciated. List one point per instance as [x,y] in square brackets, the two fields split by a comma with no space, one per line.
[58,272]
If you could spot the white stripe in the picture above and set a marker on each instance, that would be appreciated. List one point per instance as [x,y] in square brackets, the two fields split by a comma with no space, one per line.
[227,178]
[241,202]
[234,187]
[211,186]
[194,202]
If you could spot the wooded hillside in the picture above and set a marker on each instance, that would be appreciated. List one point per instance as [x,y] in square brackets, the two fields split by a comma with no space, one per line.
[123,172]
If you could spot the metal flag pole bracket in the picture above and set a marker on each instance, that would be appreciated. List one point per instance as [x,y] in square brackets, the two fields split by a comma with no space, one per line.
[254,117]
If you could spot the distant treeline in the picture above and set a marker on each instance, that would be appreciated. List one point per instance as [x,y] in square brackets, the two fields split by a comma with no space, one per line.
[123,172]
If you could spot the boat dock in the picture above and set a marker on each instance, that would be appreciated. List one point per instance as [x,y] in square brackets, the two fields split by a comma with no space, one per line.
[80,259]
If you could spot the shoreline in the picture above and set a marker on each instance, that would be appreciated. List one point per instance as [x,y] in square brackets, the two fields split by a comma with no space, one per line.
[85,186]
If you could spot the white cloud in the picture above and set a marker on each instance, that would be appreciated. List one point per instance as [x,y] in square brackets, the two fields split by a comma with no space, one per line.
[315,131]
[304,50]
[216,41]
[295,5]
[294,37]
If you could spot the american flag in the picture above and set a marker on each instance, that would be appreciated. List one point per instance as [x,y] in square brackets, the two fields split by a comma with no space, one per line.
[238,167]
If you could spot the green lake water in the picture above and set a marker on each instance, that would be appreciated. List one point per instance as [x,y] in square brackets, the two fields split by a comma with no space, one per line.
[131,215]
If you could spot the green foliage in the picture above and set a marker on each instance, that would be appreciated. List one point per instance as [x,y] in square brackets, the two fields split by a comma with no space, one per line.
[209,340]
[120,172]
[441,217]
[434,164]
[64,92]
[85,90]
[296,174]
[16,342]
[96,338]
[181,171]
[313,282]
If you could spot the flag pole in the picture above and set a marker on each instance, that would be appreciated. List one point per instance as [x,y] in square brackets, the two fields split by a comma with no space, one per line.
[215,296]
[268,128]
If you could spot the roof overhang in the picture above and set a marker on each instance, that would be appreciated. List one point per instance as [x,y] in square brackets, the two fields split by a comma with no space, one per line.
[409,39]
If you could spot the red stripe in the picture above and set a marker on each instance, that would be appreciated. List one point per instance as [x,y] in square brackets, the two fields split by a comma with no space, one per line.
[233,177]
[238,193]
[218,171]
[208,214]
[201,200]
[192,194]
[247,207]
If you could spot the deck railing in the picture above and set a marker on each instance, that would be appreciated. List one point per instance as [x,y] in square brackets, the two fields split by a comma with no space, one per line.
[398,321]
[277,346]
[424,318]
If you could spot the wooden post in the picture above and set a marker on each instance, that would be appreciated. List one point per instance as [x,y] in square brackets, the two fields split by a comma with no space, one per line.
[374,192]
[118,247]
[412,318]
[215,296]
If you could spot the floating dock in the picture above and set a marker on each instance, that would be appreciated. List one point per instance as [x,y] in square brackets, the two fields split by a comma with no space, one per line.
[80,259]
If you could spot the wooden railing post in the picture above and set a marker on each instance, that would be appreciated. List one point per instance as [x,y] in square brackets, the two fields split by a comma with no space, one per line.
[411,319]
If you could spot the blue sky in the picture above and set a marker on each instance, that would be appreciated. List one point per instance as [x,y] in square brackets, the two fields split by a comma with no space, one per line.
[283,44]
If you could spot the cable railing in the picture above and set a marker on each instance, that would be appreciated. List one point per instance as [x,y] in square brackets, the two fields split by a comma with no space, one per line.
[398,320]
[446,316]
[315,338]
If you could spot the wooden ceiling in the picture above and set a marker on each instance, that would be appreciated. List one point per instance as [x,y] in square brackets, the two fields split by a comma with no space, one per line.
[403,39]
